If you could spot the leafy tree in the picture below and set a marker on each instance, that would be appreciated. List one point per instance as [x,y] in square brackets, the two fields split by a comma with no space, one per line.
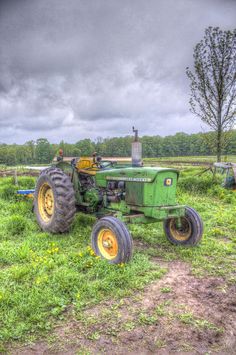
[213,83]
[43,151]
[8,154]
[69,150]
[100,146]
[86,147]
[30,145]
[149,146]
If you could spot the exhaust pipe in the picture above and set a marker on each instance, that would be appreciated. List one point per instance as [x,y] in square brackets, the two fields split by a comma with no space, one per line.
[136,150]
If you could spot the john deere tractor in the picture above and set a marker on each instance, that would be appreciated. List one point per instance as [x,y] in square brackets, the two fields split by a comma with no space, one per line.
[116,195]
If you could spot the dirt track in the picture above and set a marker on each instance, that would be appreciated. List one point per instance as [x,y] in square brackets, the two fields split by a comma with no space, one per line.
[188,319]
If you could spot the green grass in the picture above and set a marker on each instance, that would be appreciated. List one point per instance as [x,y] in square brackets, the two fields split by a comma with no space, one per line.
[44,276]
[195,158]
[190,319]
[216,255]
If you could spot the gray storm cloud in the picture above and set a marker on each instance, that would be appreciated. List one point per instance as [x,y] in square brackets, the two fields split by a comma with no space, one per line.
[75,69]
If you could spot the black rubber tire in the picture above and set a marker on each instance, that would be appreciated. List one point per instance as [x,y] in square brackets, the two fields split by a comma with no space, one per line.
[124,239]
[64,200]
[196,223]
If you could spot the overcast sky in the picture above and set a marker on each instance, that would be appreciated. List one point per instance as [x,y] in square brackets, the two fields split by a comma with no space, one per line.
[72,69]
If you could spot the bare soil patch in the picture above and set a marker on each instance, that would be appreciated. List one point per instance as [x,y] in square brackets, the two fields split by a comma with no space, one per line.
[179,313]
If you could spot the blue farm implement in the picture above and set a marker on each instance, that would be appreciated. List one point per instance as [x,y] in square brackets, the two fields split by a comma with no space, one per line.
[27,193]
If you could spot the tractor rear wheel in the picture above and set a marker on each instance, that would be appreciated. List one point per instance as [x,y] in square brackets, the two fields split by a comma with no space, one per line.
[111,240]
[190,230]
[54,201]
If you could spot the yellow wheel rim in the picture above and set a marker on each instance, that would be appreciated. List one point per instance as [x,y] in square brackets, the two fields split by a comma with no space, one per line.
[183,232]
[46,202]
[107,244]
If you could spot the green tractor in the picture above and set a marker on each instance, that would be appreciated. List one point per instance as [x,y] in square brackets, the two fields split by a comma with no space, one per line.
[116,195]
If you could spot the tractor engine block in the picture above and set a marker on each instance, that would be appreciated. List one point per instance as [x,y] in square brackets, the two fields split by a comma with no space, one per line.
[115,191]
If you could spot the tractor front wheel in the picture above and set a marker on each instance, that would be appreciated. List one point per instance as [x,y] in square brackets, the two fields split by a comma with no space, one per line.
[54,201]
[187,230]
[111,240]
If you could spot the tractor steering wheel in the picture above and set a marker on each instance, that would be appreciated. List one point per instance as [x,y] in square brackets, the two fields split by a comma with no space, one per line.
[106,164]
[103,164]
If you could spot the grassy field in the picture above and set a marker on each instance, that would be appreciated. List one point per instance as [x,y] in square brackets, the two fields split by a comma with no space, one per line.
[205,158]
[47,280]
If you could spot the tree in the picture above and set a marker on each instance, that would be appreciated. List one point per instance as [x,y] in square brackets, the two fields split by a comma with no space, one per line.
[213,83]
[31,151]
[43,151]
[85,147]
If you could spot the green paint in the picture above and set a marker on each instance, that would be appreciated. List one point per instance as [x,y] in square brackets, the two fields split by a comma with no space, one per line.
[149,194]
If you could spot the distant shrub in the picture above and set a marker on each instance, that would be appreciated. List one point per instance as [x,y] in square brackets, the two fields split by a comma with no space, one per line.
[198,184]
[5,181]
[8,189]
[206,185]
[26,182]
[16,225]
[222,193]
[8,192]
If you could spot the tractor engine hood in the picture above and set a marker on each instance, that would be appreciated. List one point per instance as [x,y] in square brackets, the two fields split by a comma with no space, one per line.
[145,175]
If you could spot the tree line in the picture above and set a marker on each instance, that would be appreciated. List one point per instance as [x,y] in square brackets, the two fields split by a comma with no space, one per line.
[42,151]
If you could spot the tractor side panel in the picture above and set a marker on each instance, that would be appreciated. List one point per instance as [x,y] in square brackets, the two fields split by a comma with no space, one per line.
[164,192]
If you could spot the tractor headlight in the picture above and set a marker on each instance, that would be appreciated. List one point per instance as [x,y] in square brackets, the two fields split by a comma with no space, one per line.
[168,182]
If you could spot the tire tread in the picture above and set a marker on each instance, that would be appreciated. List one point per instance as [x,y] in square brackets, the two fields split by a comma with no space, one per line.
[64,200]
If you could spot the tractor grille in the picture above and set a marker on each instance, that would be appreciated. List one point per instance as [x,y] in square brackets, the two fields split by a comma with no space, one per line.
[160,192]
[134,193]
